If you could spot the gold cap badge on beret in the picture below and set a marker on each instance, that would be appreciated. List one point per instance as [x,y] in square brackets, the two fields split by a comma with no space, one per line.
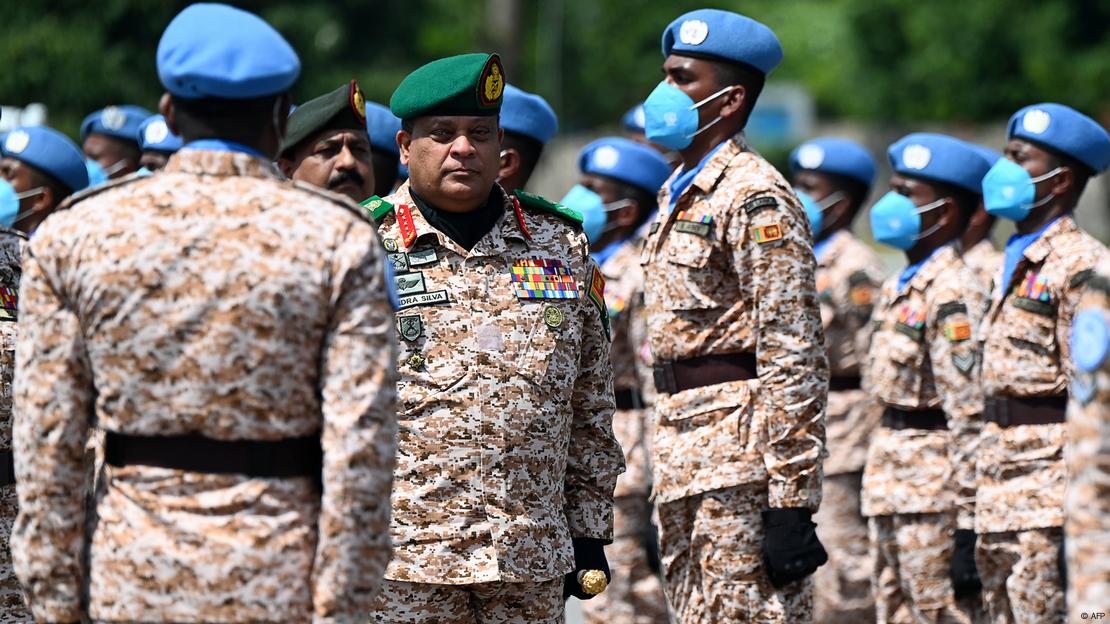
[491,83]
[358,103]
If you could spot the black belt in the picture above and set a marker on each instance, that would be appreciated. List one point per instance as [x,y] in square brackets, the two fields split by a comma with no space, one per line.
[1011,411]
[844,382]
[7,468]
[629,399]
[707,370]
[291,457]
[929,419]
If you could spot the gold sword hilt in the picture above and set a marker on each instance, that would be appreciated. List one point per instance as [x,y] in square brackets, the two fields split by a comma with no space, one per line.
[593,582]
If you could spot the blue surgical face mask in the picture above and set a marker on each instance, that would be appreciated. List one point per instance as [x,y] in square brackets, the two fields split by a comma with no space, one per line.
[9,203]
[896,221]
[671,117]
[97,175]
[1009,191]
[815,210]
[594,210]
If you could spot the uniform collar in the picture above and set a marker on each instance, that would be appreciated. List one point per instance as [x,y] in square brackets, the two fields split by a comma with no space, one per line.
[829,249]
[934,265]
[507,227]
[1039,249]
[712,170]
[221,163]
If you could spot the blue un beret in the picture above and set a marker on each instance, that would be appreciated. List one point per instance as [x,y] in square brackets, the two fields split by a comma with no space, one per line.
[121,122]
[382,126]
[939,158]
[528,114]
[154,134]
[625,160]
[1064,130]
[723,35]
[989,154]
[836,156]
[49,151]
[214,50]
[634,120]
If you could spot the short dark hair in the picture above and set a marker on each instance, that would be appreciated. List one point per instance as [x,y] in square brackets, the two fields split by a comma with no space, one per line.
[967,201]
[235,120]
[43,178]
[529,149]
[647,200]
[731,73]
[407,125]
[1082,172]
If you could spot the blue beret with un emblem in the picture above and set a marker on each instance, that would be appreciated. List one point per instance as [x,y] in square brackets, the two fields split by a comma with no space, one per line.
[154,134]
[836,156]
[634,120]
[121,122]
[218,51]
[625,160]
[939,158]
[382,126]
[49,151]
[528,114]
[1065,130]
[724,35]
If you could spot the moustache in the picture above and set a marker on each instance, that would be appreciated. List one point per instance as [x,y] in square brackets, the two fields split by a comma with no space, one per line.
[343,177]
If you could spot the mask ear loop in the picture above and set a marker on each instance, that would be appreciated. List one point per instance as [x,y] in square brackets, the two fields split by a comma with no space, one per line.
[115,167]
[19,216]
[830,200]
[929,208]
[1041,178]
[698,105]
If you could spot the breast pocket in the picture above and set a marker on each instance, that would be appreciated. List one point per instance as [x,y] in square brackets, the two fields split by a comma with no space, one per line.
[904,359]
[1032,337]
[549,355]
[690,281]
[433,352]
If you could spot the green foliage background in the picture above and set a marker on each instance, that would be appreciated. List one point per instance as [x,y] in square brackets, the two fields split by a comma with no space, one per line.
[878,60]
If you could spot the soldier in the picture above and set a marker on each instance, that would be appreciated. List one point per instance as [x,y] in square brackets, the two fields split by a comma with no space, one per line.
[383,127]
[978,251]
[109,137]
[1019,513]
[529,123]
[328,146]
[735,330]
[837,175]
[633,123]
[42,167]
[616,196]
[918,482]
[1088,495]
[229,330]
[157,144]
[506,458]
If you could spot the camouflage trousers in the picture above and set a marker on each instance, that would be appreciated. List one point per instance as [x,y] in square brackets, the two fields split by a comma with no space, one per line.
[712,561]
[842,587]
[1021,576]
[912,553]
[635,596]
[400,602]
[12,607]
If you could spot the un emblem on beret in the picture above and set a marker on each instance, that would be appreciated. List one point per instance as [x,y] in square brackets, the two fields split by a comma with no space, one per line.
[156,132]
[811,156]
[16,142]
[606,157]
[916,157]
[113,118]
[693,32]
[1036,121]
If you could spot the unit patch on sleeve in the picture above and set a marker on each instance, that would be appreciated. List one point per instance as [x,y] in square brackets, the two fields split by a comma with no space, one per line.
[764,234]
[540,278]
[597,297]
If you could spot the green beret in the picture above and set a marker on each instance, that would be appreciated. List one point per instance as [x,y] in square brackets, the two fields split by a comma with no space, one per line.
[342,109]
[468,84]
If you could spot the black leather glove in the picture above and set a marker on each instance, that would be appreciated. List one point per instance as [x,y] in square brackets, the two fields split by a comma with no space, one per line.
[649,539]
[962,570]
[589,554]
[791,550]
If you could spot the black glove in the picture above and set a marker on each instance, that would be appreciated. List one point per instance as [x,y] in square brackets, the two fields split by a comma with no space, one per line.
[589,554]
[649,539]
[791,550]
[962,570]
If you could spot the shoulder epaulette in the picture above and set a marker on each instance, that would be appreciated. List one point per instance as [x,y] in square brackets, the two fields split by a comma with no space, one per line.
[100,188]
[335,198]
[13,232]
[376,207]
[536,202]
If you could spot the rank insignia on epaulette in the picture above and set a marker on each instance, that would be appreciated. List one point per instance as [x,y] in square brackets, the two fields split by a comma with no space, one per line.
[964,362]
[763,234]
[1032,294]
[688,223]
[1083,386]
[957,331]
[411,327]
[596,295]
[406,225]
[539,278]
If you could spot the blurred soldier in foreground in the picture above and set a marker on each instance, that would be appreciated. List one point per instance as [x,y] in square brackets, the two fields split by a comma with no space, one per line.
[110,137]
[529,123]
[157,143]
[506,458]
[1019,514]
[327,144]
[616,196]
[979,253]
[735,330]
[836,175]
[383,126]
[919,480]
[234,343]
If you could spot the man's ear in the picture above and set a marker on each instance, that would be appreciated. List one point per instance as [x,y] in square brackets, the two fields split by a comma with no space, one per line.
[45,202]
[404,141]
[1064,182]
[286,167]
[626,215]
[734,101]
[510,164]
[167,109]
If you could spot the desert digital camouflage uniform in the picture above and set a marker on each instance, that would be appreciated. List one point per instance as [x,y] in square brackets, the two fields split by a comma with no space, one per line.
[848,277]
[635,596]
[214,298]
[506,448]
[986,261]
[12,607]
[1020,501]
[730,270]
[1088,462]
[919,484]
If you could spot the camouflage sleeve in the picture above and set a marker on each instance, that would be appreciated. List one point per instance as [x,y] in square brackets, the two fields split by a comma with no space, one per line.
[594,458]
[1069,302]
[359,385]
[54,397]
[771,249]
[954,354]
